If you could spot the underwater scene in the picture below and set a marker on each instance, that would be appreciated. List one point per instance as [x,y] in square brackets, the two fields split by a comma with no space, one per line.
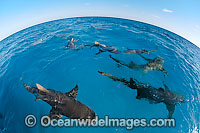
[89,67]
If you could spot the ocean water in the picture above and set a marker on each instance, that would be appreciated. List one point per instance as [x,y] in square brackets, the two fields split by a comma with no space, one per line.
[38,55]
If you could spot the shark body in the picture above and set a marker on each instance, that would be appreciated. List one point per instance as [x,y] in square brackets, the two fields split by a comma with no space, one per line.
[152,65]
[63,104]
[138,51]
[103,48]
[154,95]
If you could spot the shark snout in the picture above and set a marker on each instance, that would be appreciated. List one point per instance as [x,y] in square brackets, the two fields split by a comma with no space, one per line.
[182,99]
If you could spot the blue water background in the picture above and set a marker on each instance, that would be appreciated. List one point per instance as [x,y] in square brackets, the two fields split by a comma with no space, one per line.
[37,54]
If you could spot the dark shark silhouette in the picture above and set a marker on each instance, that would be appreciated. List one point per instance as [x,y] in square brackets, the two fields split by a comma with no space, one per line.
[138,51]
[103,48]
[153,64]
[154,95]
[63,104]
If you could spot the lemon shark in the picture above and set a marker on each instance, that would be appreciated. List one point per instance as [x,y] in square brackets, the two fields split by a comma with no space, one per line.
[154,95]
[138,51]
[63,104]
[104,48]
[155,64]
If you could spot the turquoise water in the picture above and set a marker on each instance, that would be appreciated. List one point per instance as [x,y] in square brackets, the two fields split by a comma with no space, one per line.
[38,55]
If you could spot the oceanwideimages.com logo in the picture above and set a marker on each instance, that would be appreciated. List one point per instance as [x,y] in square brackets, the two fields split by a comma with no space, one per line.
[130,123]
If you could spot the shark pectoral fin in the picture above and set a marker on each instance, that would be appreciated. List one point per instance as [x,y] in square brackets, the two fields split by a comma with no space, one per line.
[131,81]
[54,114]
[138,95]
[37,97]
[132,84]
[164,71]
[73,92]
[171,109]
[41,88]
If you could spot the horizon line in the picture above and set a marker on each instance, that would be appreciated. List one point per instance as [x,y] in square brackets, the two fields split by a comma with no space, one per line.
[117,17]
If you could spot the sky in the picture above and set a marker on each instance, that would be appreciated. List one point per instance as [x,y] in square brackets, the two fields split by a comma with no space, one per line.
[179,16]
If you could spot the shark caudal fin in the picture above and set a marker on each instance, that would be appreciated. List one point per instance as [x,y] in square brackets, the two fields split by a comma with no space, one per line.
[151,51]
[29,88]
[25,85]
[73,92]
[41,88]
[102,73]
[106,74]
[21,79]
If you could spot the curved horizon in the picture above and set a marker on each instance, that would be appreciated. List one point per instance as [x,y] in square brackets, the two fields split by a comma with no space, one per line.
[180,16]
[100,17]
[46,52]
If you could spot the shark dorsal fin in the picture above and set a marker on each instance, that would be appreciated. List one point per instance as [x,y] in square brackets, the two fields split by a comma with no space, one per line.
[161,89]
[131,81]
[41,88]
[73,92]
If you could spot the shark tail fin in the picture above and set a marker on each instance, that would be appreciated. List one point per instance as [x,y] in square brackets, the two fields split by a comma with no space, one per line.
[22,81]
[152,50]
[28,88]
[102,73]
[106,74]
